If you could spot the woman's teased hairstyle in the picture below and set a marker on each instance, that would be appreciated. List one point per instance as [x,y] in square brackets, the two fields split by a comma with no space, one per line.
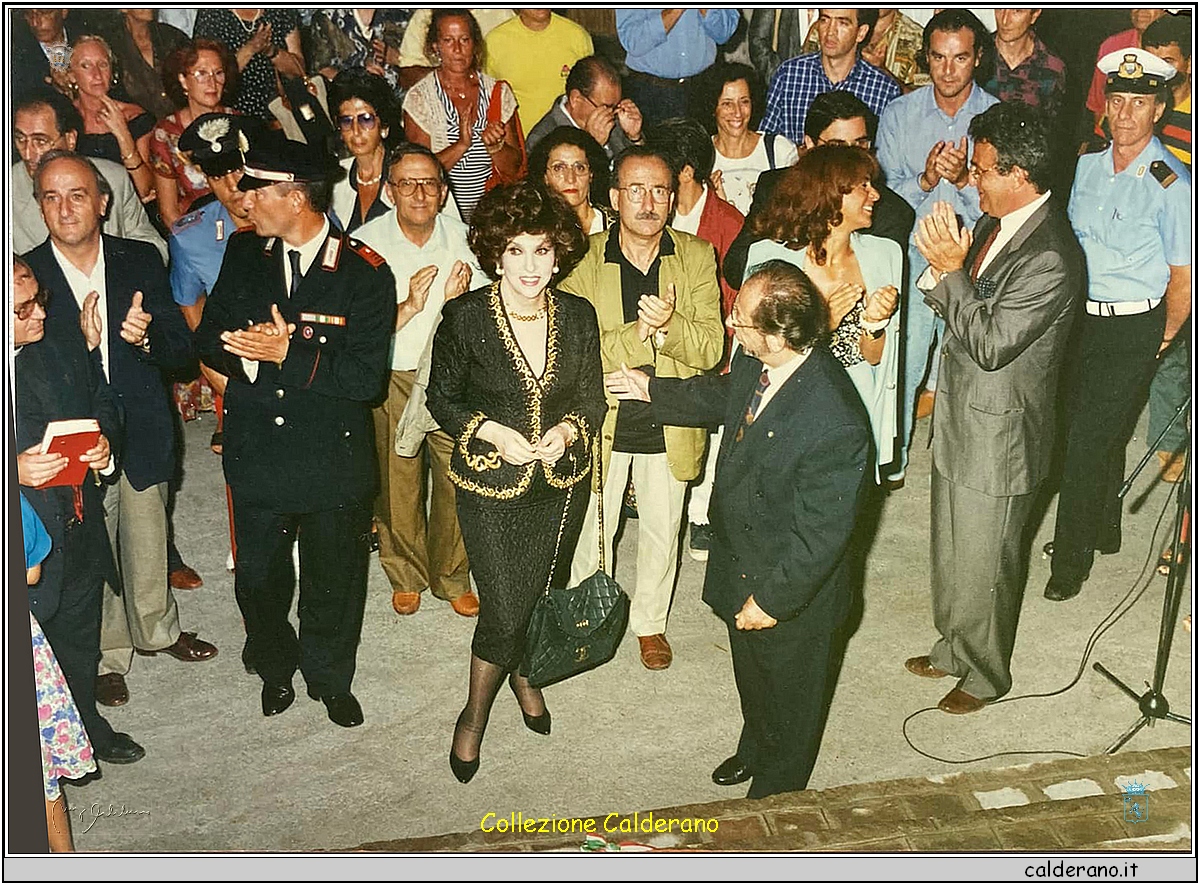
[807,203]
[524,208]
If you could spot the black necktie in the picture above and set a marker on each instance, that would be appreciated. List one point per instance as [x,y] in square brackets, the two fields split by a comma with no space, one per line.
[764,381]
[294,258]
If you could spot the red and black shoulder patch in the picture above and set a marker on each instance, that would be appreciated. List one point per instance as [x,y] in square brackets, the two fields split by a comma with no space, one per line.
[364,251]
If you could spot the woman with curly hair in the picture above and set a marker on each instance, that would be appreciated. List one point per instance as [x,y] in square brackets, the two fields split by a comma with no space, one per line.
[813,221]
[571,164]
[364,112]
[516,380]
[199,77]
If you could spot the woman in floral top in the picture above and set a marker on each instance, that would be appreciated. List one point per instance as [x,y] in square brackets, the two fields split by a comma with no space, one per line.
[66,751]
[814,221]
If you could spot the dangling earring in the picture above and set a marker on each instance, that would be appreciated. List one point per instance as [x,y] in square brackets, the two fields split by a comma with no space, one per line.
[555,269]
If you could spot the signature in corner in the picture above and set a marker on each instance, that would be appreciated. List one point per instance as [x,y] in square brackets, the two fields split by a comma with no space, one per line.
[89,814]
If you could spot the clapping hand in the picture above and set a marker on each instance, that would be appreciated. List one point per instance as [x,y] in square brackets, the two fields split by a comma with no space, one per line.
[628,384]
[466,125]
[89,320]
[419,285]
[880,304]
[940,240]
[260,40]
[842,300]
[654,313]
[265,342]
[136,325]
[459,280]
[951,162]
[717,180]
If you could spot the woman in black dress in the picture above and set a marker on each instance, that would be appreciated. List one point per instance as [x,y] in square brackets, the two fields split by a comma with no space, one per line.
[516,380]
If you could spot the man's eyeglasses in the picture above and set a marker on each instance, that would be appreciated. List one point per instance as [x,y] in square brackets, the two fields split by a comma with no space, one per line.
[207,76]
[637,192]
[596,104]
[25,309]
[864,142]
[560,170]
[365,121]
[38,142]
[406,187]
[978,172]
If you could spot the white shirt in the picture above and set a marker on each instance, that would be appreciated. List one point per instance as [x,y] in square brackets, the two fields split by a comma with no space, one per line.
[778,375]
[690,223]
[308,254]
[81,285]
[447,244]
[1009,225]
[739,177]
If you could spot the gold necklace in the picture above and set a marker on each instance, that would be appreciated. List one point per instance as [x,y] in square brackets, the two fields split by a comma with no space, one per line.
[527,318]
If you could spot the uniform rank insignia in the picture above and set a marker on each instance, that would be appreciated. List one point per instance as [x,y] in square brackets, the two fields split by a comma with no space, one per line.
[220,229]
[372,257]
[186,221]
[333,252]
[1163,173]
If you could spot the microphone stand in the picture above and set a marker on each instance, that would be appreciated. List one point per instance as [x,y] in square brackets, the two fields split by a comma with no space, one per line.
[1153,704]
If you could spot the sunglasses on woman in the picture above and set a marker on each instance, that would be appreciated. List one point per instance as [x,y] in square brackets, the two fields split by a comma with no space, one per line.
[365,121]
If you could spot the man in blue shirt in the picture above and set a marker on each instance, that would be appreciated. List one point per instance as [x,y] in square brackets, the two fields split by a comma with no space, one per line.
[923,147]
[665,49]
[838,65]
[1131,210]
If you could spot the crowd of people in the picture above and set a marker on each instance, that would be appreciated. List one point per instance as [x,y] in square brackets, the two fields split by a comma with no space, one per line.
[465,287]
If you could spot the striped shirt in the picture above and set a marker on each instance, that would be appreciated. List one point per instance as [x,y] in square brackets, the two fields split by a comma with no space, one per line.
[468,177]
[801,79]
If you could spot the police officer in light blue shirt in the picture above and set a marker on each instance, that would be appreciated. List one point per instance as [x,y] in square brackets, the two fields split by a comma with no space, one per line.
[1131,210]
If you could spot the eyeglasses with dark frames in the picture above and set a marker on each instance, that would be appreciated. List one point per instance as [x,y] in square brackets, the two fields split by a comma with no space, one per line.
[25,309]
[406,187]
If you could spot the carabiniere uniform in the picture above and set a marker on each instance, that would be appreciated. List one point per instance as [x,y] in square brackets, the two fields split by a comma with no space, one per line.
[299,454]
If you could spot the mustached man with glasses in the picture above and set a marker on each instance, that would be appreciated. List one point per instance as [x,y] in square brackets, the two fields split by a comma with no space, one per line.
[428,253]
[656,298]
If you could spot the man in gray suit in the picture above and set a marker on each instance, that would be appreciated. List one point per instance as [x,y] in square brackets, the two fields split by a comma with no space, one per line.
[594,104]
[44,121]
[1007,294]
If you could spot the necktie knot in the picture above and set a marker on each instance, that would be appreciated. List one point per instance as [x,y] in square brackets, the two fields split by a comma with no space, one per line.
[294,259]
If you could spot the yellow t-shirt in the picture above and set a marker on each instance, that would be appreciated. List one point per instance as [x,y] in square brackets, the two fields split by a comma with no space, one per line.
[536,63]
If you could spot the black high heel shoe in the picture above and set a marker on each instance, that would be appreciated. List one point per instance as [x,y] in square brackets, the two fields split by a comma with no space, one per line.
[462,769]
[539,724]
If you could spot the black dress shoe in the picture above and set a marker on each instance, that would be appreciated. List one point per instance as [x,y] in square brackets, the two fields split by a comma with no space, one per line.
[343,709]
[539,724]
[1059,589]
[464,771]
[731,772]
[121,750]
[276,698]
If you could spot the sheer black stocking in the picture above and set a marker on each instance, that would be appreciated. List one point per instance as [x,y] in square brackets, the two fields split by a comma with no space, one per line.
[485,679]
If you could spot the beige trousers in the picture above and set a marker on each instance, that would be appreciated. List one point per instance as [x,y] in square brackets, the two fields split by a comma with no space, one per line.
[660,511]
[417,551]
[145,615]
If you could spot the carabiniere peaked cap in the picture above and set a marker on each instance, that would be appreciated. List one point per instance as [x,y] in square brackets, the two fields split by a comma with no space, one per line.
[216,142]
[274,159]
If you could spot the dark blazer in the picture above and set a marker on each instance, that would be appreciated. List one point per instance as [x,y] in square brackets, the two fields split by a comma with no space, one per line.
[993,428]
[785,497]
[763,54]
[299,438]
[479,373]
[893,218]
[134,373]
[57,379]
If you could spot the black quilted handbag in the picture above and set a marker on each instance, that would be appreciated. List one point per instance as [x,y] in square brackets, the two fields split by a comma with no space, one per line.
[578,628]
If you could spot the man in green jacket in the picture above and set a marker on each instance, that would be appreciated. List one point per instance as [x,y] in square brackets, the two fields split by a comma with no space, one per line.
[656,298]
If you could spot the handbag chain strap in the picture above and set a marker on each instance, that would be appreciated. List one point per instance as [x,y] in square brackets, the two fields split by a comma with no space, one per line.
[597,467]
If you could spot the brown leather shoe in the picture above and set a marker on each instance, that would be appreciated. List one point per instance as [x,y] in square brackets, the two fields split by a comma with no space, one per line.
[925,404]
[111,690]
[185,578]
[405,603]
[959,702]
[922,666]
[656,652]
[466,605]
[186,648]
[1170,466]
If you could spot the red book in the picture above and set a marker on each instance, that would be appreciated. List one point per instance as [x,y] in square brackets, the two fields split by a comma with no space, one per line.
[71,438]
